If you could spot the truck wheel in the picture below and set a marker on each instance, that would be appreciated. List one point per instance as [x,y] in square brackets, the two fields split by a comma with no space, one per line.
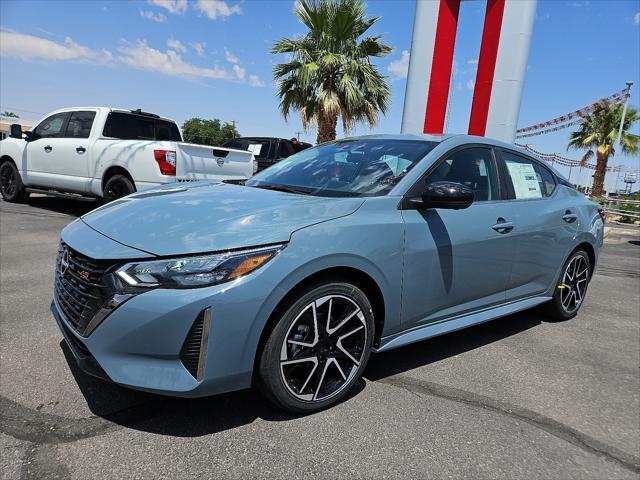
[11,185]
[116,187]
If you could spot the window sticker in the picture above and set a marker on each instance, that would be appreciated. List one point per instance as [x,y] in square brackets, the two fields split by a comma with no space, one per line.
[525,180]
[255,148]
[396,164]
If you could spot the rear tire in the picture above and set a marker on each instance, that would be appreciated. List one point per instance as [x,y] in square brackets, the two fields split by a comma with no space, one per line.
[11,186]
[117,186]
[571,288]
[318,349]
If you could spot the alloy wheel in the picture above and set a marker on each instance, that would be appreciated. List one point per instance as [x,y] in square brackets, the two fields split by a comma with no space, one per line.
[323,348]
[8,181]
[574,284]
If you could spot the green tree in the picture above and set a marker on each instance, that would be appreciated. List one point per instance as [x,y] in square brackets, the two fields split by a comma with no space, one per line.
[10,114]
[598,133]
[329,73]
[208,132]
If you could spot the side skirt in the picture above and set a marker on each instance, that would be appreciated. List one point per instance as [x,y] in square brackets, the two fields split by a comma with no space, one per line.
[456,323]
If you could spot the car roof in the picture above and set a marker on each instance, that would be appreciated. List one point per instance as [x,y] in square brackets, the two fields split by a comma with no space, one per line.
[111,109]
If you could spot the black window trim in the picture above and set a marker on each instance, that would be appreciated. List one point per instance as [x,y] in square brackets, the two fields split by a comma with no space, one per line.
[416,189]
[150,118]
[508,182]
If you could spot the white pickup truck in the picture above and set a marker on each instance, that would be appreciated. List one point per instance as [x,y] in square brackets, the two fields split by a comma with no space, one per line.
[108,153]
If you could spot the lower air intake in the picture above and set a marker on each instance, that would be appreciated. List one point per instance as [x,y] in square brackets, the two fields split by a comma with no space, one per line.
[194,350]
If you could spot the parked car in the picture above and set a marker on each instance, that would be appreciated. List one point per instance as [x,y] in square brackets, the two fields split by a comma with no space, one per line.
[108,153]
[291,281]
[267,150]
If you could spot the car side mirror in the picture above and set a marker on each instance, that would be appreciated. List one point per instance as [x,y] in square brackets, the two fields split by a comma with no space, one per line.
[450,195]
[15,130]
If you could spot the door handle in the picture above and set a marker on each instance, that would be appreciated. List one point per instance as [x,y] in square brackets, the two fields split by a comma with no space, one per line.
[503,226]
[569,217]
[81,149]
[48,148]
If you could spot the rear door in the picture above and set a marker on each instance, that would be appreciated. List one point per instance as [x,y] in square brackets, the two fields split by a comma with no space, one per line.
[457,261]
[545,224]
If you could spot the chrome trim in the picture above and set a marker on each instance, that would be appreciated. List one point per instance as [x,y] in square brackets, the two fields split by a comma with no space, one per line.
[108,307]
[204,342]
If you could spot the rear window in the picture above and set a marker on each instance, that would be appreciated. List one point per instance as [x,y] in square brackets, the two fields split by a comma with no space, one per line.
[260,148]
[127,126]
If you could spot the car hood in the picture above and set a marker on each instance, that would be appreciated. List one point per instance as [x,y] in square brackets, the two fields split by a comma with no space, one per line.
[211,216]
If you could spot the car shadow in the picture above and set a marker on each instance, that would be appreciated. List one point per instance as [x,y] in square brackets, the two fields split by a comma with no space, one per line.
[194,417]
[66,206]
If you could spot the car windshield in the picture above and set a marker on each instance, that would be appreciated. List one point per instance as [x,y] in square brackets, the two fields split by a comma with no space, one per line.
[358,167]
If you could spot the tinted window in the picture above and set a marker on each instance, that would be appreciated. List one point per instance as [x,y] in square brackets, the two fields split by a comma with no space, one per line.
[79,125]
[284,149]
[525,179]
[52,126]
[138,127]
[346,168]
[472,167]
[548,179]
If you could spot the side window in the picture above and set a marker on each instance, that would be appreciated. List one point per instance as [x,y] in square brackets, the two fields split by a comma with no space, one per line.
[284,149]
[548,179]
[472,167]
[129,127]
[526,180]
[51,127]
[79,125]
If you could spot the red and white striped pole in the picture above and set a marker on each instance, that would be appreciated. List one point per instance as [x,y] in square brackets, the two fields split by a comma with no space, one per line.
[501,67]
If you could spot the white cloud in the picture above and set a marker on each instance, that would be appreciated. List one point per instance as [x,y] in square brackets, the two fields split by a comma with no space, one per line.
[176,45]
[636,19]
[473,61]
[140,55]
[216,8]
[27,47]
[177,7]
[198,47]
[239,71]
[156,17]
[470,84]
[230,57]
[255,81]
[399,68]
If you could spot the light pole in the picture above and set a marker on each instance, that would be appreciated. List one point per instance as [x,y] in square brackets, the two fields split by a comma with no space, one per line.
[624,111]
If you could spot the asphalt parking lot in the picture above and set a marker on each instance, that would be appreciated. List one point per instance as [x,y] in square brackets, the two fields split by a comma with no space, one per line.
[519,397]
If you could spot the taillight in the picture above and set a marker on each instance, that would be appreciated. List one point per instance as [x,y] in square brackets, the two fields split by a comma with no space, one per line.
[166,161]
[603,214]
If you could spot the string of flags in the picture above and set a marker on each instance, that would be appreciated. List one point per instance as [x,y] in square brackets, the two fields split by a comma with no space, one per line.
[574,117]
[567,162]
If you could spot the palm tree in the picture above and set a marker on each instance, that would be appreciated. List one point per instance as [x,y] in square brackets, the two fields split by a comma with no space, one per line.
[598,132]
[9,114]
[329,73]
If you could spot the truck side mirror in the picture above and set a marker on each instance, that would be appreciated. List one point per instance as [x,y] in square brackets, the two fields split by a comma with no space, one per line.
[15,131]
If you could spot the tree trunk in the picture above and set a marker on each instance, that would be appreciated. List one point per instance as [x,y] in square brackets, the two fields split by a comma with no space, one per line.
[602,156]
[326,128]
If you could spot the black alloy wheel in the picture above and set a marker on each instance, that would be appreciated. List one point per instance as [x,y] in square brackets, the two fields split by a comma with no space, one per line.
[11,186]
[117,186]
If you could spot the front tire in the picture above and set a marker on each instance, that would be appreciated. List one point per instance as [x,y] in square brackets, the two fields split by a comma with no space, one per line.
[318,349]
[117,186]
[11,186]
[571,288]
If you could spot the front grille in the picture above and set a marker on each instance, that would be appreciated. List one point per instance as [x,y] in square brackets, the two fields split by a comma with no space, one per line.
[79,288]
[194,350]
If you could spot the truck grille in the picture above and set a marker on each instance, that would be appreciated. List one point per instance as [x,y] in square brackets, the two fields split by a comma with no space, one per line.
[79,288]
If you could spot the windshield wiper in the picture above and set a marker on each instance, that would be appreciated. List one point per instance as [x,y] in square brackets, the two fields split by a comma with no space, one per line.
[283,188]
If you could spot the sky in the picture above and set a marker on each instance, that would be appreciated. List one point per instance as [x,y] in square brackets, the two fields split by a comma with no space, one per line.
[210,59]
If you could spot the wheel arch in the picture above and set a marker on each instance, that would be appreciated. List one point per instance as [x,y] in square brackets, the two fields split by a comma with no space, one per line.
[591,252]
[353,275]
[114,170]
[5,158]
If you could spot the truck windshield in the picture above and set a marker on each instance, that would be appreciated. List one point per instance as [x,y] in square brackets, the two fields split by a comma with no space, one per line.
[128,126]
[357,167]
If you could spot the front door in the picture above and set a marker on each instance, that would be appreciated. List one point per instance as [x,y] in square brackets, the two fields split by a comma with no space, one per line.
[457,261]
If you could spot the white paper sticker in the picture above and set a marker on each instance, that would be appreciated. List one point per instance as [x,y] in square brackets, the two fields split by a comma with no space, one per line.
[255,148]
[525,180]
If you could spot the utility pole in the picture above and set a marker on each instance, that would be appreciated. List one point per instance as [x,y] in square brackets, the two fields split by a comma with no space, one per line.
[233,122]
[298,135]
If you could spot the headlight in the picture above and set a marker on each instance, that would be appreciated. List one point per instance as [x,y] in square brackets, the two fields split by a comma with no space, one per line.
[196,271]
